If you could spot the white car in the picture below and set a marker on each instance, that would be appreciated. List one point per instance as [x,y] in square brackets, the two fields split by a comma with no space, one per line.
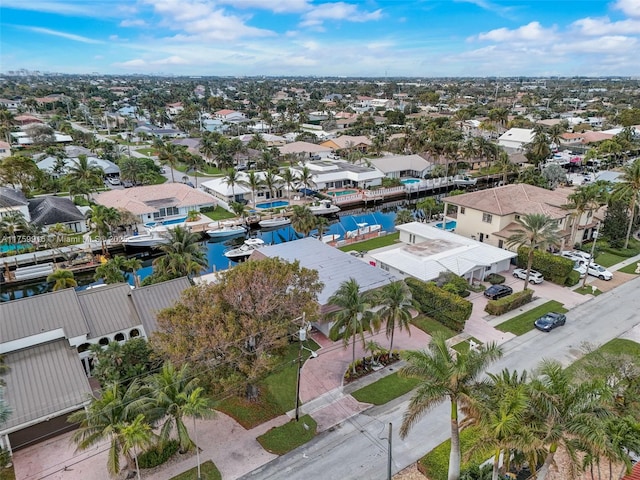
[599,271]
[581,268]
[576,255]
[113,180]
[534,276]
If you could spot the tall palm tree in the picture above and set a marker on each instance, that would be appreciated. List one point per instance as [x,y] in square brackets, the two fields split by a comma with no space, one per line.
[12,223]
[84,171]
[62,279]
[305,177]
[395,300]
[566,410]
[428,204]
[289,179]
[321,224]
[135,434]
[195,163]
[303,220]
[253,182]
[171,155]
[505,166]
[444,374]
[629,189]
[111,271]
[183,254]
[103,220]
[208,146]
[272,182]
[107,418]
[231,179]
[535,231]
[584,198]
[354,316]
[174,390]
[404,216]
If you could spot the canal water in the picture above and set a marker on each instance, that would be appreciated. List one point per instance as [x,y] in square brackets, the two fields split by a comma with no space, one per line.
[215,249]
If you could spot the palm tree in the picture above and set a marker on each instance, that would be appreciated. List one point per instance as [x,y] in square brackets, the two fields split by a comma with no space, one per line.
[505,166]
[86,172]
[208,146]
[321,224]
[566,410]
[429,204]
[135,434]
[195,163]
[395,299]
[404,216]
[584,198]
[354,316]
[175,390]
[253,182]
[183,254]
[12,223]
[629,189]
[272,182]
[171,155]
[107,418]
[444,373]
[289,179]
[112,270]
[303,220]
[102,220]
[305,177]
[536,231]
[62,279]
[231,179]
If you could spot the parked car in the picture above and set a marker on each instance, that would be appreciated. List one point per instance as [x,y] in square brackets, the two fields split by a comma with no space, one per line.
[534,276]
[190,184]
[549,321]
[576,255]
[113,180]
[494,292]
[581,268]
[599,271]
[127,184]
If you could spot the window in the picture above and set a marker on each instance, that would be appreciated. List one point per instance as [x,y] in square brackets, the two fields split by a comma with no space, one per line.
[119,337]
[104,341]
[134,333]
[487,217]
[517,217]
[462,210]
[500,243]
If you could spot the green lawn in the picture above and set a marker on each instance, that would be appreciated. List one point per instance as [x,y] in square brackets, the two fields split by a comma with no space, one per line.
[277,392]
[524,322]
[386,389]
[219,214]
[587,291]
[283,439]
[617,346]
[631,268]
[373,243]
[208,471]
[607,259]
[463,347]
[435,464]
[7,473]
[149,152]
[431,326]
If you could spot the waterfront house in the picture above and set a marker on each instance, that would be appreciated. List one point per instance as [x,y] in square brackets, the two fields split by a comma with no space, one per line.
[402,166]
[328,174]
[426,251]
[225,194]
[12,200]
[333,266]
[490,216]
[152,202]
[46,338]
[51,210]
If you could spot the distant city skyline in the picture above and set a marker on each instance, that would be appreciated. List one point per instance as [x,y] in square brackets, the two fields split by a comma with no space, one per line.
[369,38]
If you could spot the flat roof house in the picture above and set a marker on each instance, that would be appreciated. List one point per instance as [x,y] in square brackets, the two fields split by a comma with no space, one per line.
[337,174]
[516,138]
[401,166]
[426,252]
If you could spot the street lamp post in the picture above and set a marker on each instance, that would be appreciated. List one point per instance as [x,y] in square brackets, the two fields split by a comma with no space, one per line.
[302,336]
[593,249]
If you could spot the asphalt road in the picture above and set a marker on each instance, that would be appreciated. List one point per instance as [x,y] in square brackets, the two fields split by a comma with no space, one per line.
[357,449]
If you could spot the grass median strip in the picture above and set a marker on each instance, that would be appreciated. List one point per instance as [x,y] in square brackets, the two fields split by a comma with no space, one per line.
[386,389]
[283,439]
[588,291]
[524,322]
[208,471]
[431,326]
[631,268]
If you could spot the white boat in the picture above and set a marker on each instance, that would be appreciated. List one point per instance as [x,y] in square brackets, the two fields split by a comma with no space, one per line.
[274,222]
[331,238]
[325,207]
[464,180]
[168,222]
[244,250]
[363,229]
[155,236]
[225,230]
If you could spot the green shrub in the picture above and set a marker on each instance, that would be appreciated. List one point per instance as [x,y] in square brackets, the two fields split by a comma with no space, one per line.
[480,287]
[465,294]
[447,308]
[80,201]
[572,279]
[158,454]
[508,303]
[554,268]
[495,279]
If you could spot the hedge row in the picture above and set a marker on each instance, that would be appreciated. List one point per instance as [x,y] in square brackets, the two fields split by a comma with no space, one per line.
[508,303]
[553,268]
[447,308]
[158,454]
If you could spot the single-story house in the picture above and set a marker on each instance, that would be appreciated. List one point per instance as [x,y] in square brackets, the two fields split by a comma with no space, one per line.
[240,192]
[334,267]
[46,338]
[13,200]
[401,166]
[304,148]
[153,202]
[49,164]
[338,173]
[348,142]
[427,251]
[51,210]
[516,137]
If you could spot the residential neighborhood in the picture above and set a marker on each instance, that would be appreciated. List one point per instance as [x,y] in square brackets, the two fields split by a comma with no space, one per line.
[229,276]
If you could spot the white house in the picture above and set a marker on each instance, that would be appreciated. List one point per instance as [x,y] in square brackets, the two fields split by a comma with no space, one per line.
[240,192]
[428,251]
[401,166]
[50,164]
[337,174]
[227,115]
[516,138]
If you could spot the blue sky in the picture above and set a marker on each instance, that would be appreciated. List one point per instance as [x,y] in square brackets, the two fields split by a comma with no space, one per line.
[423,38]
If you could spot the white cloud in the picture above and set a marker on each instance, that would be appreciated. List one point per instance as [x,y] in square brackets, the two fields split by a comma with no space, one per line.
[338,11]
[133,23]
[202,20]
[173,60]
[277,6]
[604,26]
[136,63]
[113,38]
[628,7]
[95,8]
[530,32]
[611,44]
[68,36]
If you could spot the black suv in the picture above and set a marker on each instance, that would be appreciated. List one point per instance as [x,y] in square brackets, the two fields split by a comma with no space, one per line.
[494,292]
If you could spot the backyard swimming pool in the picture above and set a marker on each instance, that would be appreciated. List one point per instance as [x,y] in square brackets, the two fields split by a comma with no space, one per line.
[409,181]
[276,204]
[450,225]
[342,192]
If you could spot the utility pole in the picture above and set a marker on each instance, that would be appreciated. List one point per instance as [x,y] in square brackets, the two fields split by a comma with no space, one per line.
[302,336]
[389,454]
[593,248]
